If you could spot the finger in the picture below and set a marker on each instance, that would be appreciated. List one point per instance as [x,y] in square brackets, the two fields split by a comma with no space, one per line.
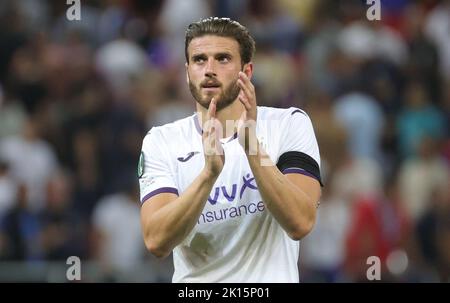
[209,127]
[244,102]
[246,80]
[211,140]
[246,90]
[212,108]
[214,143]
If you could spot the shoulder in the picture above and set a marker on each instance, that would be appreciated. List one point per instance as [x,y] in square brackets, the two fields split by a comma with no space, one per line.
[283,115]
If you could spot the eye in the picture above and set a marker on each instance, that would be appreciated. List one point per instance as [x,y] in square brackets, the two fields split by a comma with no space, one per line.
[198,59]
[223,59]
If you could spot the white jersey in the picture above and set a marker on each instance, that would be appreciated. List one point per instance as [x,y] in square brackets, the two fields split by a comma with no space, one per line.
[236,239]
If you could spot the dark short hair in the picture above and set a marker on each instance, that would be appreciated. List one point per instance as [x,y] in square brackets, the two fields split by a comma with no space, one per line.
[223,27]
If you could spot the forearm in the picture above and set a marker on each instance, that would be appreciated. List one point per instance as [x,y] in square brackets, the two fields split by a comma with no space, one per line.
[168,226]
[290,206]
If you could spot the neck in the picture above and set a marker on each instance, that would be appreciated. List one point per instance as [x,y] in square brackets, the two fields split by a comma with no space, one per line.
[232,112]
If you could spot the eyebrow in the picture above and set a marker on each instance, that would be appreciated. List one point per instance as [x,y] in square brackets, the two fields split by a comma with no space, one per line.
[198,56]
[217,55]
[224,54]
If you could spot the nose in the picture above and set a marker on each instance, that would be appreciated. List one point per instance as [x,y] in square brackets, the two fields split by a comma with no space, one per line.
[210,70]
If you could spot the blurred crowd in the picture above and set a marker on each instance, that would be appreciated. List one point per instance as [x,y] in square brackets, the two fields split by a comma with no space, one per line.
[77,98]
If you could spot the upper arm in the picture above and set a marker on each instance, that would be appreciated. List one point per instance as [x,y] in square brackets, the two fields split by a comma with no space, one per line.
[299,151]
[310,186]
[153,204]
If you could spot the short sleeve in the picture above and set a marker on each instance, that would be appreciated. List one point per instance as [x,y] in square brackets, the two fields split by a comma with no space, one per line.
[299,151]
[154,171]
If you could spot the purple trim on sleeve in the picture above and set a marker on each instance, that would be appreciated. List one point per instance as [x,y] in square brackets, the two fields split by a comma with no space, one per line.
[171,190]
[197,125]
[299,171]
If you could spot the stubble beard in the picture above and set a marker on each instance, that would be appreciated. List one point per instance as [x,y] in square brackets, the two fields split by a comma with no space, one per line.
[226,97]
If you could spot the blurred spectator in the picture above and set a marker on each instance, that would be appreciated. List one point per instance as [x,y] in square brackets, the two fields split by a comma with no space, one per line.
[436,28]
[418,119]
[271,25]
[31,161]
[159,99]
[379,225]
[419,176]
[120,146]
[433,233]
[62,232]
[86,161]
[110,22]
[320,52]
[322,252]
[423,61]
[383,81]
[12,35]
[120,61]
[119,246]
[20,231]
[363,119]
[277,72]
[330,133]
[230,8]
[365,40]
[26,76]
[175,16]
[36,13]
[302,12]
[12,116]
[357,178]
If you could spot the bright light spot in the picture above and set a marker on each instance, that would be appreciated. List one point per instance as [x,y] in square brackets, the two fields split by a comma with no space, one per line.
[397,262]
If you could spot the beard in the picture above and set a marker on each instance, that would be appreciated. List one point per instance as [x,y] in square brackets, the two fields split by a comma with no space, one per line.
[226,97]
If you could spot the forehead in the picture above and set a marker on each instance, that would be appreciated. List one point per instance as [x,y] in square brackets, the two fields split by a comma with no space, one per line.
[213,44]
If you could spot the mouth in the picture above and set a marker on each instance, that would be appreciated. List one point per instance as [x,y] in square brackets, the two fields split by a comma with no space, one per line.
[210,85]
[210,88]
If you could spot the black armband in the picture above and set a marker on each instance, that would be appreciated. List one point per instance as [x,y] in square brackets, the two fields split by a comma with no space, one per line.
[298,162]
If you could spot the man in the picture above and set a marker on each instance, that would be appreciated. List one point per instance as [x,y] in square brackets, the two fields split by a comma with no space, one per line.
[213,195]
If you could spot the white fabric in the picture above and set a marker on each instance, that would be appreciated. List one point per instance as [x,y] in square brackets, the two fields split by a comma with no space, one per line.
[32,163]
[236,239]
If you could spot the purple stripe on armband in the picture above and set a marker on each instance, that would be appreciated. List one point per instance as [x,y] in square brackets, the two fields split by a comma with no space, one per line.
[299,171]
[171,190]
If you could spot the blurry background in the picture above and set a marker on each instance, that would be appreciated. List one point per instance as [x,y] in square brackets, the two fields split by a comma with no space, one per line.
[77,98]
